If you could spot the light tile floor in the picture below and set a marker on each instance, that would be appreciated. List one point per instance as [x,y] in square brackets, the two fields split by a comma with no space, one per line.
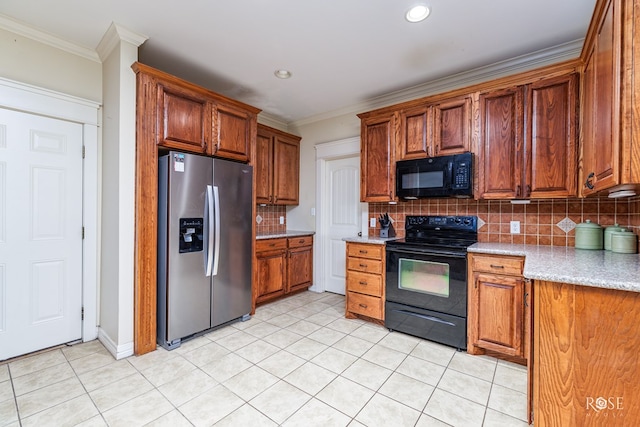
[297,362]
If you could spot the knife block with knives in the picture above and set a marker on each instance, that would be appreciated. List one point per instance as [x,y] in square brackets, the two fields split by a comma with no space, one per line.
[386,226]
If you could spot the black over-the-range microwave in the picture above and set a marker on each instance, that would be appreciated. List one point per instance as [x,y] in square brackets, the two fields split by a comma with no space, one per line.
[443,176]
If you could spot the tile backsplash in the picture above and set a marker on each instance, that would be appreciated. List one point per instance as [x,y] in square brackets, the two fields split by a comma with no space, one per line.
[542,222]
[268,219]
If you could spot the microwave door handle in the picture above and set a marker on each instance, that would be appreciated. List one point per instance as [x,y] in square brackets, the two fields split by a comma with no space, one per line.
[449,183]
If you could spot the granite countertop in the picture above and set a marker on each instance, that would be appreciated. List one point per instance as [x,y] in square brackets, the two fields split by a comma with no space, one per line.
[288,233]
[372,239]
[602,269]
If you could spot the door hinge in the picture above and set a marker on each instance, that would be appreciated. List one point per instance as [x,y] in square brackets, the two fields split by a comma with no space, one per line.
[82,313]
[83,152]
[83,233]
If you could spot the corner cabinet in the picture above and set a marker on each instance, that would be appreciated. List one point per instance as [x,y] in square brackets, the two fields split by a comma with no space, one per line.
[499,306]
[610,96]
[377,158]
[277,167]
[283,266]
[528,140]
[365,292]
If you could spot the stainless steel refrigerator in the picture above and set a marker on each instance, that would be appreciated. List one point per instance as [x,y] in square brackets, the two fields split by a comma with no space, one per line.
[204,245]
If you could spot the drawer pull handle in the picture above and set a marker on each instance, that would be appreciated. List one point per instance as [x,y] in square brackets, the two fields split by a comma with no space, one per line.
[301,241]
[363,251]
[496,266]
[363,305]
[272,244]
[363,283]
[363,265]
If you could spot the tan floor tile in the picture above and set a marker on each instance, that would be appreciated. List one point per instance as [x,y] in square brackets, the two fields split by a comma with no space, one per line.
[326,336]
[384,356]
[306,348]
[236,341]
[97,421]
[79,350]
[48,376]
[205,354]
[160,355]
[382,408]
[367,374]
[283,338]
[400,342]
[406,390]
[346,396]
[97,378]
[371,333]
[171,419]
[322,318]
[49,396]
[257,351]
[4,372]
[35,363]
[6,390]
[302,327]
[250,383]
[246,415]
[211,407]
[68,413]
[283,320]
[281,363]
[508,402]
[92,361]
[433,352]
[139,411]
[346,326]
[478,366]
[226,367]
[334,360]
[310,378]
[280,401]
[353,345]
[262,329]
[497,419]
[315,413]
[466,386]
[421,370]
[190,345]
[454,410]
[163,373]
[8,412]
[428,421]
[120,391]
[515,379]
[187,387]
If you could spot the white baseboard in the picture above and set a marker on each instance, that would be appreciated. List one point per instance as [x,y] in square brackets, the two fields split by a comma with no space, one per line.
[118,351]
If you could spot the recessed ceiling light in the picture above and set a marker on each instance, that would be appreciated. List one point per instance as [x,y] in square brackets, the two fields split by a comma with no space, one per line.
[282,74]
[418,13]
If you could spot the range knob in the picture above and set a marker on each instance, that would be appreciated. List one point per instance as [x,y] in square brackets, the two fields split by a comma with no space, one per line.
[467,221]
[458,220]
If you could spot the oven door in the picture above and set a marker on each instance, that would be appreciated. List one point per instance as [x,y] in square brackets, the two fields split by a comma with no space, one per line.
[427,280]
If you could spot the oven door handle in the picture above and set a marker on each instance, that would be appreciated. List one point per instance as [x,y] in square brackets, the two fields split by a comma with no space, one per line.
[418,252]
[424,316]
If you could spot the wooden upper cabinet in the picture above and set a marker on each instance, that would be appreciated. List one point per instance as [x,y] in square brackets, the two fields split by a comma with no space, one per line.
[601,102]
[263,168]
[437,129]
[415,133]
[286,173]
[377,158]
[551,138]
[232,130]
[277,167]
[452,129]
[184,119]
[500,159]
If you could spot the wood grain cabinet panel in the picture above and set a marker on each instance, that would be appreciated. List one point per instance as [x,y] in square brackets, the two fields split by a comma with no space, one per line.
[232,129]
[377,158]
[277,167]
[452,129]
[415,133]
[283,266]
[365,278]
[183,119]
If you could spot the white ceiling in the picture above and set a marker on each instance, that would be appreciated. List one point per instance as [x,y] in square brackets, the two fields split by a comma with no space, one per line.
[341,52]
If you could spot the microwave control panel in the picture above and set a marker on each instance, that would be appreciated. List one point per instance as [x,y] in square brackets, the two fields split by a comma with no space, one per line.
[461,174]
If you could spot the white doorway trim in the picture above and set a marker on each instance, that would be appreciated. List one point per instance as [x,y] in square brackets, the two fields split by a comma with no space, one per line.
[31,99]
[325,152]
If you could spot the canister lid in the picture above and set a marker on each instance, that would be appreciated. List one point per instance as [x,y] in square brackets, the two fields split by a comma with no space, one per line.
[588,225]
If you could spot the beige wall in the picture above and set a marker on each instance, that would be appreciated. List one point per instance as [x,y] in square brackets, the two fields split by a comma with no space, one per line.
[38,64]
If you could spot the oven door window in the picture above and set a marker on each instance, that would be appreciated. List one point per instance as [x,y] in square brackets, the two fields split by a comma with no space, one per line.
[426,277]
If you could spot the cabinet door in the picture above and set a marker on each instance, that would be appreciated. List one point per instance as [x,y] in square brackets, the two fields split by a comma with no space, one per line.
[263,168]
[452,133]
[377,159]
[601,108]
[501,120]
[286,170]
[270,275]
[551,152]
[300,268]
[415,133]
[231,132]
[184,119]
[498,302]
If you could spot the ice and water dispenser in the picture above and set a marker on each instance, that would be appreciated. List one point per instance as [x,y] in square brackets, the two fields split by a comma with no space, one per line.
[191,234]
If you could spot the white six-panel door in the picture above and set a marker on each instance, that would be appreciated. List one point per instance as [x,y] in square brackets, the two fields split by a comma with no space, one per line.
[40,232]
[343,217]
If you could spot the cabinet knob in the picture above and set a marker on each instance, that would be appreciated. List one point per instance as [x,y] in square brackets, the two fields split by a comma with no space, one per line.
[518,191]
[589,182]
[528,191]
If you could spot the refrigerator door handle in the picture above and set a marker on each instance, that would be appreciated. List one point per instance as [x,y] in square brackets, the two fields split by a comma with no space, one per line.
[216,210]
[209,214]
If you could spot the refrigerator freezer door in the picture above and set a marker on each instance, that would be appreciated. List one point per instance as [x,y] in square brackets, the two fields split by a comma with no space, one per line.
[231,296]
[188,290]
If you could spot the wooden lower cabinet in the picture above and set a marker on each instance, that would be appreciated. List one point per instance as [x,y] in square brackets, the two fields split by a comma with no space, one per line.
[498,306]
[283,266]
[585,358]
[365,281]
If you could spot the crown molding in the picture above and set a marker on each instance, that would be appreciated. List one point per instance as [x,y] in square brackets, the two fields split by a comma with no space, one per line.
[116,34]
[518,64]
[24,30]
[272,121]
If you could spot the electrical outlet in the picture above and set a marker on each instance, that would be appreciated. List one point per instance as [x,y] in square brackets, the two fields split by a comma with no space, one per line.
[515,227]
[281,220]
[372,222]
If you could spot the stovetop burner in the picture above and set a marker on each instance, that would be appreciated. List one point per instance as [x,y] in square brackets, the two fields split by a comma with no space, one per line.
[447,232]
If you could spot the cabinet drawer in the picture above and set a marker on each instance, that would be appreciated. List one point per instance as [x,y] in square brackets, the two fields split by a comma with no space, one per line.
[298,242]
[364,265]
[370,284]
[365,251]
[270,244]
[498,265]
[364,304]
